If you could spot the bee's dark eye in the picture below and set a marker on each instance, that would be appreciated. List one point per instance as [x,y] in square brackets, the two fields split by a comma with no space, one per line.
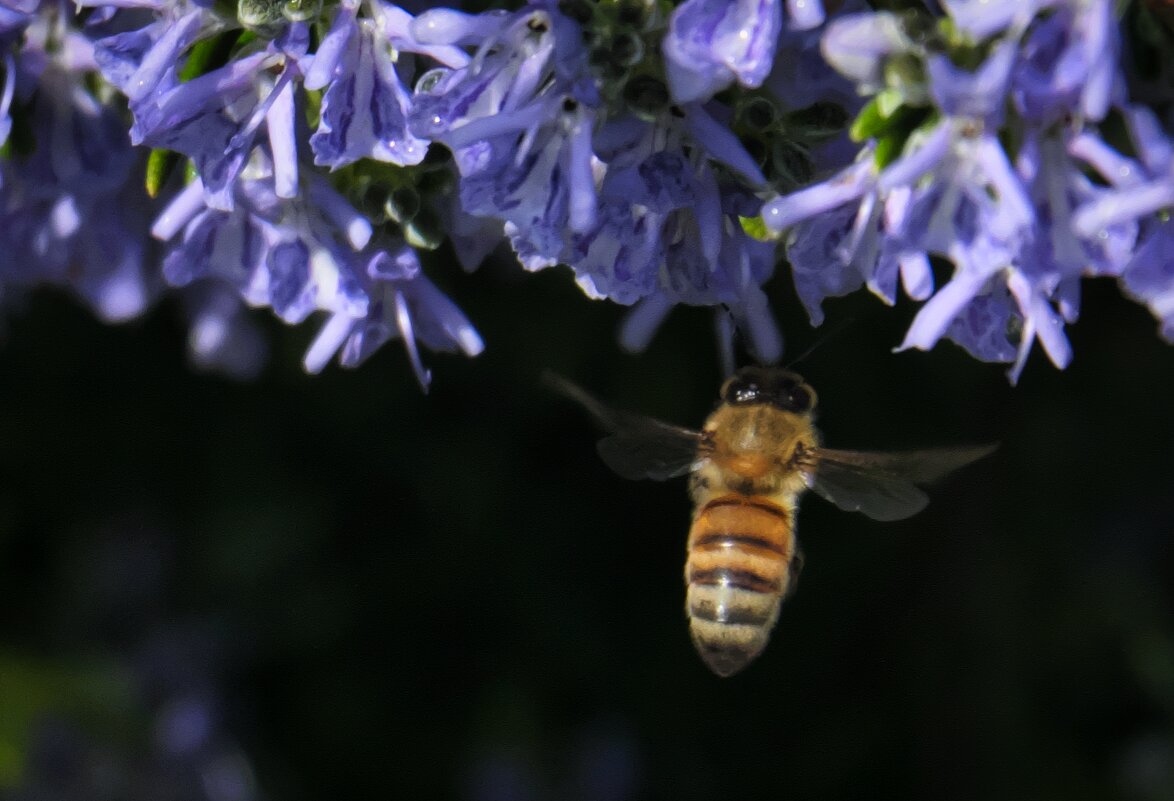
[743,392]
[791,396]
[800,400]
[780,389]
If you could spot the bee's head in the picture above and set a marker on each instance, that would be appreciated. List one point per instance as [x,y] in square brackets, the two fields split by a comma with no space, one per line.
[780,388]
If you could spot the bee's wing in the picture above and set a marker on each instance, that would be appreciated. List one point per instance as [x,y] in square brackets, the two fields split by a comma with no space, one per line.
[884,486]
[637,446]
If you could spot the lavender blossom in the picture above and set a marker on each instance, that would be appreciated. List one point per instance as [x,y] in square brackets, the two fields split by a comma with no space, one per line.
[713,43]
[365,105]
[1003,220]
[316,161]
[1141,194]
[519,123]
[260,220]
[403,304]
[299,257]
[69,211]
[621,189]
[223,337]
[212,119]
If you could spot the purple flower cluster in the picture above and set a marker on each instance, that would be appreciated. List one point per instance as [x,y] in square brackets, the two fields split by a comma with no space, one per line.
[260,216]
[320,158]
[984,185]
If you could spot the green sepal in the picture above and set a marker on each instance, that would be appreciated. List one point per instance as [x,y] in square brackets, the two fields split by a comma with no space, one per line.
[877,116]
[868,123]
[888,148]
[160,164]
[209,54]
[755,228]
[889,102]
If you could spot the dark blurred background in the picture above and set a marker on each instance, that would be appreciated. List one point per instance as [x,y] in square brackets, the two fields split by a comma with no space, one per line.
[336,587]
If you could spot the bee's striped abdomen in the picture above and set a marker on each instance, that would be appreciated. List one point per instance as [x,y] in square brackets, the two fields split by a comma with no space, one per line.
[739,566]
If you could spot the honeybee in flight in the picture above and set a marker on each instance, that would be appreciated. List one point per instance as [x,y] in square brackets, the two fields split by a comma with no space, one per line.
[757,453]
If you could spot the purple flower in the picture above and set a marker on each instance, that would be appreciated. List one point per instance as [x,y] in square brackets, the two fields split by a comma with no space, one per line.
[986,243]
[989,327]
[668,233]
[713,43]
[953,192]
[302,255]
[984,18]
[286,254]
[633,145]
[1149,276]
[365,107]
[1069,62]
[15,16]
[657,204]
[223,337]
[633,205]
[850,184]
[71,212]
[800,75]
[6,94]
[1140,193]
[828,222]
[1038,268]
[818,266]
[214,118]
[403,304]
[140,61]
[519,122]
[859,45]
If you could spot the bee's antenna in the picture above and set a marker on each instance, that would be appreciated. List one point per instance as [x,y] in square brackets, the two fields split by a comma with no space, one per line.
[604,416]
[839,329]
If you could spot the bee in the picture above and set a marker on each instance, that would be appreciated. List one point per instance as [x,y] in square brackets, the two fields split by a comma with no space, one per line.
[756,454]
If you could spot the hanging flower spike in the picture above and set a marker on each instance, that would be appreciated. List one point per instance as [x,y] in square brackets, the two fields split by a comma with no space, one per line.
[946,187]
[288,255]
[404,304]
[668,233]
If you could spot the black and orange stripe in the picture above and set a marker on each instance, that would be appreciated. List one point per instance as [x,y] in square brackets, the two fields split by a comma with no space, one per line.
[741,549]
